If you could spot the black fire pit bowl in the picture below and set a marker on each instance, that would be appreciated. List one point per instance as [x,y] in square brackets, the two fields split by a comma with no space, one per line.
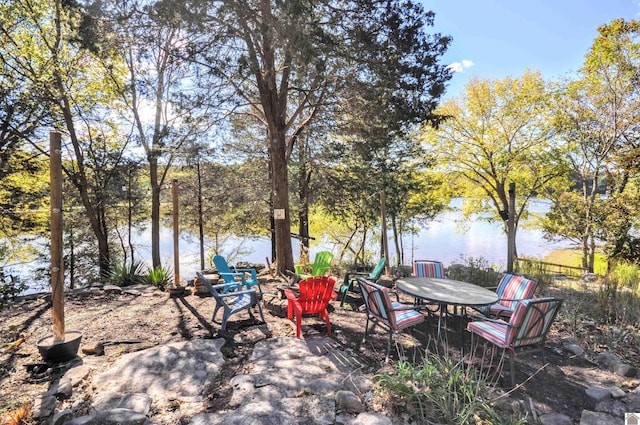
[60,352]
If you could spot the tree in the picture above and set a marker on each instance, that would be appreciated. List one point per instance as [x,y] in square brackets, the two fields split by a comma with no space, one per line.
[42,46]
[598,117]
[499,132]
[290,60]
[168,108]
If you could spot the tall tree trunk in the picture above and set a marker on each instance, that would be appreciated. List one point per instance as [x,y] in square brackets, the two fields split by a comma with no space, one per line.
[280,190]
[155,213]
[304,178]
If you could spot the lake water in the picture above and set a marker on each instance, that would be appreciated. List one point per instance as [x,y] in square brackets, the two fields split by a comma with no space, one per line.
[442,239]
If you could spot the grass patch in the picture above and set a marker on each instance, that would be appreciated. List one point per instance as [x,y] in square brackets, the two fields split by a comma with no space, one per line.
[573,257]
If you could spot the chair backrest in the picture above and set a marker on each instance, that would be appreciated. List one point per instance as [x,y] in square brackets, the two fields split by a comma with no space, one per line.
[531,321]
[221,265]
[428,268]
[321,263]
[315,293]
[376,298]
[207,284]
[514,287]
[377,271]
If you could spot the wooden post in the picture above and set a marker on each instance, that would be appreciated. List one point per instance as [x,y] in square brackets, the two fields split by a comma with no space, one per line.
[511,228]
[385,242]
[176,234]
[200,218]
[57,269]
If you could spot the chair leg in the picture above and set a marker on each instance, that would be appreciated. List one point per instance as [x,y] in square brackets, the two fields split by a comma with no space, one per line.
[298,324]
[366,327]
[260,310]
[325,316]
[225,316]
[386,359]
[344,289]
[512,367]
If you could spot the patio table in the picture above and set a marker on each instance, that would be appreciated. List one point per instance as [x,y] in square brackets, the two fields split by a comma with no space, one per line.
[446,292]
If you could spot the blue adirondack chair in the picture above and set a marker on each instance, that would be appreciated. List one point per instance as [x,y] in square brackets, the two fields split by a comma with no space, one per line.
[231,302]
[351,277]
[235,276]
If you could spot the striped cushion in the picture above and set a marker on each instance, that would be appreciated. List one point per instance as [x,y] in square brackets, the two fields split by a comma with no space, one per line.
[395,315]
[511,289]
[528,325]
[495,332]
[422,268]
[406,318]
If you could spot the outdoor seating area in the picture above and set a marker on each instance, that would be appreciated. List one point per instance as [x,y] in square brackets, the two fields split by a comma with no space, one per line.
[511,320]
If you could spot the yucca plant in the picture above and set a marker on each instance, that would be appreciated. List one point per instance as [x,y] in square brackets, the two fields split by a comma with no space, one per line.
[159,277]
[126,274]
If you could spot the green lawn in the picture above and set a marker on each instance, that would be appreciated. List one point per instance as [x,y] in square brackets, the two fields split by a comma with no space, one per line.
[573,257]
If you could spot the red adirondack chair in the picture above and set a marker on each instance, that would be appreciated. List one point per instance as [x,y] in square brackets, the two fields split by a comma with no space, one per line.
[315,294]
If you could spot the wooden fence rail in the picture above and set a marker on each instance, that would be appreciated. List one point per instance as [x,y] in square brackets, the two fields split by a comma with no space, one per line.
[572,271]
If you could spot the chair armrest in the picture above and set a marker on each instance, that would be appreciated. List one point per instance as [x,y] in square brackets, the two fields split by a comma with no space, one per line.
[236,293]
[227,285]
[234,274]
[290,295]
[406,307]
[253,272]
[394,293]
[487,319]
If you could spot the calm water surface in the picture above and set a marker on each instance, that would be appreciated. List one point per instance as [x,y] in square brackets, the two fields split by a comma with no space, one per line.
[445,239]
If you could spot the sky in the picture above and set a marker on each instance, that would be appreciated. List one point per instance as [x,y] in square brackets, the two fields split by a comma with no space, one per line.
[503,38]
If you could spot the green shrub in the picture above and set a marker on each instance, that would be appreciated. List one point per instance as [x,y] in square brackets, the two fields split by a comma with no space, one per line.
[441,390]
[475,270]
[127,275]
[626,275]
[10,290]
[159,277]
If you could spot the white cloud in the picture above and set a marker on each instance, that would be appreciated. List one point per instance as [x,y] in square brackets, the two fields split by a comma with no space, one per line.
[460,66]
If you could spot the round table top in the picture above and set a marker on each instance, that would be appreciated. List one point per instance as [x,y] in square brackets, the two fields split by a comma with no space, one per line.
[446,291]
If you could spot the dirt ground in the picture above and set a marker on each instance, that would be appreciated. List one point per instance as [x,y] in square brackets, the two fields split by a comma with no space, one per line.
[122,322]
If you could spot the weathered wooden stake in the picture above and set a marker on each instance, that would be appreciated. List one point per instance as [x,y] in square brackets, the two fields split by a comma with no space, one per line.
[385,242]
[511,228]
[57,269]
[176,234]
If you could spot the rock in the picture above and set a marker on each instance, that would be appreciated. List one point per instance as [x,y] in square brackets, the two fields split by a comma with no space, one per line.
[112,289]
[348,402]
[555,419]
[62,417]
[617,393]
[607,360]
[596,395]
[574,349]
[252,335]
[626,370]
[598,418]
[313,410]
[96,349]
[612,407]
[368,418]
[77,374]
[138,402]
[44,406]
[63,389]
